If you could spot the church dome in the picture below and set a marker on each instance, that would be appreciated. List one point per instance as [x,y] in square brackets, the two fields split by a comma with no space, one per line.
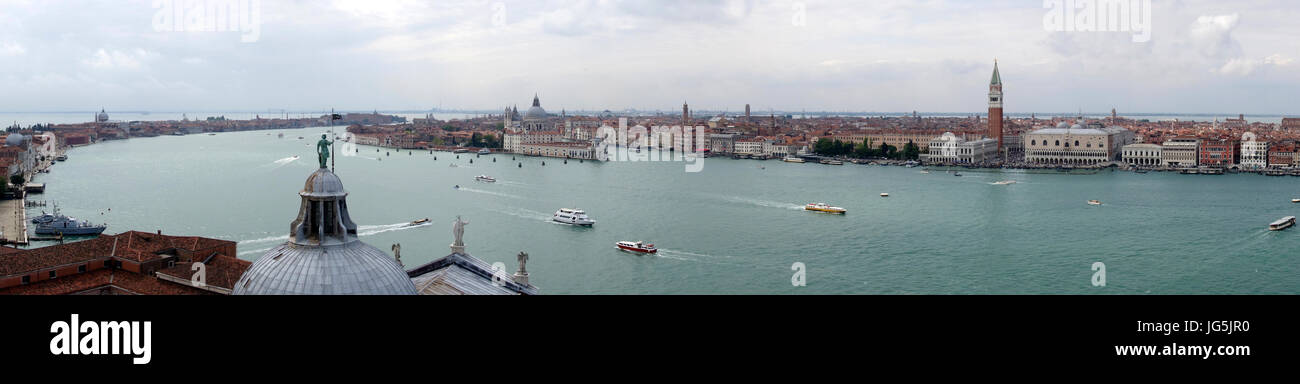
[536,112]
[102,116]
[15,139]
[323,255]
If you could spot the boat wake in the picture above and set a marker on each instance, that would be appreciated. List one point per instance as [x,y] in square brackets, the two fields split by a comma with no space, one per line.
[763,203]
[255,251]
[498,194]
[524,214]
[286,160]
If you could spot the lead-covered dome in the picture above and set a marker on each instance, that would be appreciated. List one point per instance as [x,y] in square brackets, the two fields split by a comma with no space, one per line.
[536,112]
[15,139]
[323,255]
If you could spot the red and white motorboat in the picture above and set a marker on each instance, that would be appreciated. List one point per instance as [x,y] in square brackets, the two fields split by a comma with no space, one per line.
[637,246]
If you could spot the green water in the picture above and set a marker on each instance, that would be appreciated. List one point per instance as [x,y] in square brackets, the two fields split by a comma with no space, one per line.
[736,227]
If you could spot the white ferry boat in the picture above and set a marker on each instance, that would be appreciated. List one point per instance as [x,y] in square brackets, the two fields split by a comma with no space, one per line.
[573,217]
[825,208]
[485,179]
[1283,223]
[793,160]
[637,246]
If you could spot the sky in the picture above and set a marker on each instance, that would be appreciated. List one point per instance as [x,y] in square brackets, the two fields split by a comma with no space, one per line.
[1201,56]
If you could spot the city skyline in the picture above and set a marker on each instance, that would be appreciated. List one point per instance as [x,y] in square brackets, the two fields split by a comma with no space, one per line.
[1202,57]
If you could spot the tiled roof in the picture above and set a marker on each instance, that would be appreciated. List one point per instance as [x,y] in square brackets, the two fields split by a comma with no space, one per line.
[63,254]
[220,271]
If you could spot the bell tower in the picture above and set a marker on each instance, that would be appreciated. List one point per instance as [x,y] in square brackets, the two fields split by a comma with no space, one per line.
[995,107]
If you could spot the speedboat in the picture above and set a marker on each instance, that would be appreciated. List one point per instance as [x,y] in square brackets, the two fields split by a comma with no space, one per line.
[420,222]
[958,174]
[573,217]
[884,195]
[1005,182]
[637,246]
[825,208]
[1295,200]
[1283,223]
[485,178]
[1094,202]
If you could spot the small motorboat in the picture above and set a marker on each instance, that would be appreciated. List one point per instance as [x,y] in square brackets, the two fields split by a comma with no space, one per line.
[884,195]
[958,174]
[825,208]
[1094,202]
[1005,182]
[485,179]
[1295,200]
[484,151]
[637,246]
[420,222]
[925,172]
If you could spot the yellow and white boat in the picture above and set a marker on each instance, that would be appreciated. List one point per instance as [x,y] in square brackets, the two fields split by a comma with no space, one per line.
[824,208]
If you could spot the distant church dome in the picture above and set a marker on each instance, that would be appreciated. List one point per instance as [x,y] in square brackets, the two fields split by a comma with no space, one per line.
[323,255]
[1063,125]
[15,139]
[102,116]
[536,112]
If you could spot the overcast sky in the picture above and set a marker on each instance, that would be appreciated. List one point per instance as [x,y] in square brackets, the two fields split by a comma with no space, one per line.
[1203,56]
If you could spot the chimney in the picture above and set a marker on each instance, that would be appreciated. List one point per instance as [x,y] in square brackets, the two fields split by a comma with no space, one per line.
[159,232]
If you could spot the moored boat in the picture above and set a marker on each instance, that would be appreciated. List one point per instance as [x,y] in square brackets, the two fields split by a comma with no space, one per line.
[1283,223]
[573,217]
[824,208]
[67,226]
[637,246]
[484,151]
[793,160]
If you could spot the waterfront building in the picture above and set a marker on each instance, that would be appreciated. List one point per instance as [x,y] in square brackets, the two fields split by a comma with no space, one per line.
[722,143]
[1282,155]
[1180,152]
[752,146]
[1075,145]
[323,255]
[558,149]
[1218,152]
[1142,154]
[995,106]
[130,263]
[1254,153]
[950,149]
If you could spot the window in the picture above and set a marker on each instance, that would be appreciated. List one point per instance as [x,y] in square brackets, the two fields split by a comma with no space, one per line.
[1076,143]
[1058,143]
[27,279]
[81,268]
[53,274]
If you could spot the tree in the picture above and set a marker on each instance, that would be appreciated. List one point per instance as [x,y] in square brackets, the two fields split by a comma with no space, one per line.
[911,151]
[17,180]
[476,140]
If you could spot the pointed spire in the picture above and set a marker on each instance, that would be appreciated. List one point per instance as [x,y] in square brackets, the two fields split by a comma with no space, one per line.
[997,77]
[536,102]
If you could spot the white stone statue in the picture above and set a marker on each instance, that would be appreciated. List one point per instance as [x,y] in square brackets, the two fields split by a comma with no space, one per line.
[458,230]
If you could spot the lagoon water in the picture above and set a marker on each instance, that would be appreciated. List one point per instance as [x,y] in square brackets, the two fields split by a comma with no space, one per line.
[736,227]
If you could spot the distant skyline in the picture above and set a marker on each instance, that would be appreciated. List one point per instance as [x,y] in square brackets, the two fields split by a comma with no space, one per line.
[1203,57]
